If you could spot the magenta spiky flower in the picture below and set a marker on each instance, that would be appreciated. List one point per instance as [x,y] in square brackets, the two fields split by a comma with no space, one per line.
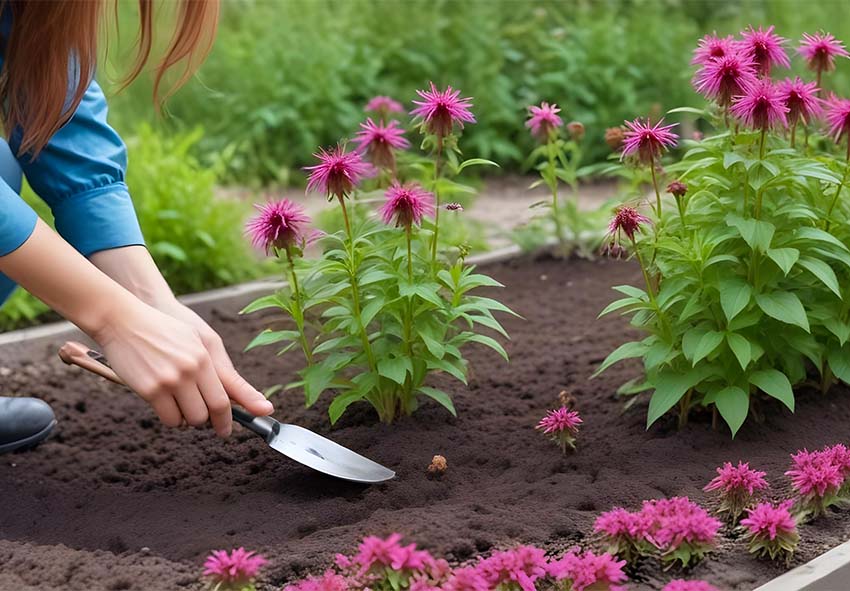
[233,569]
[837,116]
[383,106]
[817,479]
[683,585]
[561,425]
[764,48]
[736,486]
[820,50]
[521,566]
[647,141]
[713,47]
[627,220]
[388,553]
[725,78]
[761,106]
[771,530]
[839,455]
[406,204]
[338,172]
[625,533]
[380,140]
[801,100]
[440,111]
[587,570]
[543,120]
[681,530]
[329,581]
[279,224]
[466,579]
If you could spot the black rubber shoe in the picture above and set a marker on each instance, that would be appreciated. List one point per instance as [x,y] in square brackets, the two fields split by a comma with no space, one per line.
[24,423]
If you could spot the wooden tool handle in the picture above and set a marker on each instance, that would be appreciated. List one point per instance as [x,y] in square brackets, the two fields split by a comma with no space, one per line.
[74,353]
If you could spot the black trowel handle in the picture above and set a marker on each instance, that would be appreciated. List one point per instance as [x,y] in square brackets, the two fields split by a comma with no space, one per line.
[78,354]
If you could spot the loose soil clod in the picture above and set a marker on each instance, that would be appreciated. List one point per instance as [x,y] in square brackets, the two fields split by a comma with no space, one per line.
[438,466]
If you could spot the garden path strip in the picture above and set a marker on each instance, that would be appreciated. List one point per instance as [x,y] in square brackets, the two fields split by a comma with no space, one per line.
[78,511]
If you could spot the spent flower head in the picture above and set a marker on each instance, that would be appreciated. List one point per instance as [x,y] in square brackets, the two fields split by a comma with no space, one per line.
[379,141]
[440,110]
[762,106]
[801,99]
[627,220]
[279,224]
[543,121]
[677,189]
[820,50]
[736,486]
[406,204]
[576,130]
[683,585]
[614,137]
[764,48]
[581,571]
[725,78]
[771,530]
[561,425]
[338,172]
[646,141]
[713,47]
[234,569]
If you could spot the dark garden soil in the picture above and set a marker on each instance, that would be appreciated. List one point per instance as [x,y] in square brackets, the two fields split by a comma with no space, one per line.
[114,501]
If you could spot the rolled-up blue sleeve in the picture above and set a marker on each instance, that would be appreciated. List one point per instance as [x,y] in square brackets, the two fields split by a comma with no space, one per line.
[80,174]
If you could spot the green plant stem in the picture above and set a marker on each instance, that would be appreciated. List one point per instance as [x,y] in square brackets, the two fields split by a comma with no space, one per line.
[681,206]
[762,142]
[794,133]
[299,321]
[840,186]
[655,186]
[650,289]
[437,162]
[559,231]
[684,406]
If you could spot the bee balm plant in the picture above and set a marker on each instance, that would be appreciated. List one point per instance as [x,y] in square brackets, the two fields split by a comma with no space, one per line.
[384,306]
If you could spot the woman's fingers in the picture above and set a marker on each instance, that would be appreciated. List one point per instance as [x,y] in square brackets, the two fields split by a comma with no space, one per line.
[216,400]
[237,388]
[192,405]
[167,410]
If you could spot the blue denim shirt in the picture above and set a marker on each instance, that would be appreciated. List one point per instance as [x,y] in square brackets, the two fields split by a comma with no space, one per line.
[79,174]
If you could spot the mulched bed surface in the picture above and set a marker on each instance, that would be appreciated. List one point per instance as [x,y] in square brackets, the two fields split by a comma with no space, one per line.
[114,501]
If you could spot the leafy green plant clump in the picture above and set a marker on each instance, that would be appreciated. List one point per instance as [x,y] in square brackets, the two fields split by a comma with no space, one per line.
[746,269]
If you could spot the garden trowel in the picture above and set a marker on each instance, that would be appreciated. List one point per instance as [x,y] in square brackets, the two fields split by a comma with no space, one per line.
[296,443]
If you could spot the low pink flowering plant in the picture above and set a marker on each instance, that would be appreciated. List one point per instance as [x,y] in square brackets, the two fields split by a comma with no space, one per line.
[234,570]
[683,585]
[561,426]
[514,570]
[388,302]
[818,479]
[736,487]
[385,564]
[329,581]
[681,530]
[586,571]
[740,296]
[625,533]
[771,530]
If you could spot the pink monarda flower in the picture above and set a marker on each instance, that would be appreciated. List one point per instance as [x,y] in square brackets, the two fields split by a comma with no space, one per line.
[561,425]
[761,106]
[627,220]
[683,585]
[771,530]
[521,566]
[711,48]
[233,569]
[681,530]
[279,224]
[383,106]
[820,50]
[599,572]
[466,579]
[839,455]
[406,205]
[725,78]
[543,120]
[375,552]
[816,479]
[764,48]
[647,141]
[329,581]
[837,117]
[736,486]
[380,140]
[337,173]
[801,100]
[442,110]
[624,532]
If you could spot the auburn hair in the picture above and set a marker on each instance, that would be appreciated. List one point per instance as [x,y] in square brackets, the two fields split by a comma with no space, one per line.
[51,55]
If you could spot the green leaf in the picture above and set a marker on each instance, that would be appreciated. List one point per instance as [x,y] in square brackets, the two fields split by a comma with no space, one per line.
[269,301]
[740,347]
[707,344]
[839,363]
[784,257]
[822,271]
[440,397]
[476,162]
[395,368]
[785,307]
[735,294]
[808,234]
[488,342]
[317,378]
[774,383]
[625,351]
[619,304]
[269,337]
[342,402]
[670,386]
[756,233]
[733,405]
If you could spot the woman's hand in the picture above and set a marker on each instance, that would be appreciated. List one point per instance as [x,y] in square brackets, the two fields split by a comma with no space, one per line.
[180,368]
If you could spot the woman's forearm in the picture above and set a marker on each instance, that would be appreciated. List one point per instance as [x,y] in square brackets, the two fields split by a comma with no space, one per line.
[134,269]
[52,270]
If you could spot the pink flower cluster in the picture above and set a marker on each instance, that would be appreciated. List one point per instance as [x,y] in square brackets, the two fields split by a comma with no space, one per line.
[388,564]
[234,569]
[683,585]
[561,425]
[771,530]
[818,477]
[675,528]
[736,486]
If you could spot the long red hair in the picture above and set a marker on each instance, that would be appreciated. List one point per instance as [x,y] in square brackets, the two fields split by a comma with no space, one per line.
[52,52]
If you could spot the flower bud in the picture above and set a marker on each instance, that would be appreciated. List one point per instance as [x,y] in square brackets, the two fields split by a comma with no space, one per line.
[614,137]
[576,129]
[677,189]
